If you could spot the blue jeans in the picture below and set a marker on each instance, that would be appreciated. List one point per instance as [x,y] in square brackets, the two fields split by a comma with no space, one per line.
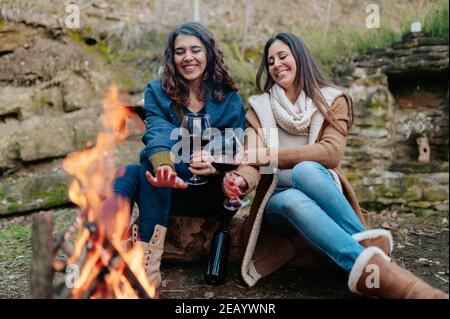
[317,210]
[155,203]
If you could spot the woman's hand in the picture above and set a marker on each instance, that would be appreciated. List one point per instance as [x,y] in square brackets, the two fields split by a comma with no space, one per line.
[165,177]
[201,164]
[234,185]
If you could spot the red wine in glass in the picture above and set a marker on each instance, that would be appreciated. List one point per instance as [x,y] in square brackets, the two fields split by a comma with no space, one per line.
[196,124]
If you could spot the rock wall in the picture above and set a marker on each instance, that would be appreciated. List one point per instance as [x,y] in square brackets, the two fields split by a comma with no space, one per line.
[400,93]
[51,92]
[52,86]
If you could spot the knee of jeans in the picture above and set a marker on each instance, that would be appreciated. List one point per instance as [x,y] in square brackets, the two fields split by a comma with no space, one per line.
[285,206]
[126,180]
[305,174]
[127,170]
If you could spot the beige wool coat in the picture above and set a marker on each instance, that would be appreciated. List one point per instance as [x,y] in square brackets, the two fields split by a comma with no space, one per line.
[265,253]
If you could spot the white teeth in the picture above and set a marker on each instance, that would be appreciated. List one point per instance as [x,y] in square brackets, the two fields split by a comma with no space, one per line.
[282,72]
[190,67]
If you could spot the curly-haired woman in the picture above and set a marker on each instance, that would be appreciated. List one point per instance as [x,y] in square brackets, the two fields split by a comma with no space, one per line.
[194,79]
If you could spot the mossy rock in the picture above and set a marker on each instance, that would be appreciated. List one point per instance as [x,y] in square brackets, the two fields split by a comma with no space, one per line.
[416,167]
[33,193]
[354,175]
[400,193]
[420,204]
[373,206]
[373,80]
[435,194]
[390,201]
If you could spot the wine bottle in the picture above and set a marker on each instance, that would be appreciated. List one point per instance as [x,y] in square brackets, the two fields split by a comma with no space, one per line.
[218,256]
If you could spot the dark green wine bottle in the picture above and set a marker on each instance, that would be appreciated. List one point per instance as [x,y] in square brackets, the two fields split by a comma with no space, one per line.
[218,257]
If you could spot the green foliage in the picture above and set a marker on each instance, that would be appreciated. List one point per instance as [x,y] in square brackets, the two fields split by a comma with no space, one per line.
[346,40]
[101,47]
[243,71]
[436,20]
[141,48]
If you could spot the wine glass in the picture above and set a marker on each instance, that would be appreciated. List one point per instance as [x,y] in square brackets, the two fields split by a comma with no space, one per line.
[198,127]
[227,161]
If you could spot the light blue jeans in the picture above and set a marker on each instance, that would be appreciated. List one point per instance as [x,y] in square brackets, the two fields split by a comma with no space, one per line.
[316,208]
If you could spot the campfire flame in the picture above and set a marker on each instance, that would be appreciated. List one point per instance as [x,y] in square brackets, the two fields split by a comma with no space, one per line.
[107,269]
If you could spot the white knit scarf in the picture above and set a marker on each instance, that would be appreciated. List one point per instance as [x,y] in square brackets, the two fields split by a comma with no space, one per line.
[293,118]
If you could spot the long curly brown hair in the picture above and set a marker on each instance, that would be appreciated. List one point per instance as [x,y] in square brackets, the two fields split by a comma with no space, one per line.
[217,79]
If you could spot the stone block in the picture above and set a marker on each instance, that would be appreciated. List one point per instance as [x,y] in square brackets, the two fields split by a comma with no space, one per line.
[45,137]
[79,93]
[35,191]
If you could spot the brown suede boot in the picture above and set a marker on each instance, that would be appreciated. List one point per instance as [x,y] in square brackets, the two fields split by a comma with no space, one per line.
[380,238]
[153,251]
[373,274]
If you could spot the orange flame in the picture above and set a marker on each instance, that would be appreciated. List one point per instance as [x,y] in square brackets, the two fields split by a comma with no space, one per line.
[93,171]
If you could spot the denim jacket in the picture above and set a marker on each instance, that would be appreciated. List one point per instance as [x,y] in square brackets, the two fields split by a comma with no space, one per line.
[162,117]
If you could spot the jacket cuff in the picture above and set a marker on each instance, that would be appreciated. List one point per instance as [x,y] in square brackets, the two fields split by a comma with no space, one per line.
[160,159]
[251,176]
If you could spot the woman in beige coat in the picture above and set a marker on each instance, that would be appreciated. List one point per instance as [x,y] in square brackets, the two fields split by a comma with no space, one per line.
[297,133]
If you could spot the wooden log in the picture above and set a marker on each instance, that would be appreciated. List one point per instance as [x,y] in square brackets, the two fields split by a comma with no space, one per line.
[188,239]
[42,252]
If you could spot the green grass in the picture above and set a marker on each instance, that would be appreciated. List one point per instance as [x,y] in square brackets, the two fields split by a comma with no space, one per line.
[15,257]
[436,20]
[16,252]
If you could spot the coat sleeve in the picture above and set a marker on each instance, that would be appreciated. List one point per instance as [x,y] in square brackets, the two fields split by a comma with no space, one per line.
[251,174]
[157,135]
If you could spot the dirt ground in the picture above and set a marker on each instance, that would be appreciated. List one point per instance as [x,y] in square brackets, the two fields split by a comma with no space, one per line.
[421,246]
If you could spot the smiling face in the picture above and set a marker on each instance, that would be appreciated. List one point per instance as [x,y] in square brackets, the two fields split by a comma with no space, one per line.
[282,66]
[189,57]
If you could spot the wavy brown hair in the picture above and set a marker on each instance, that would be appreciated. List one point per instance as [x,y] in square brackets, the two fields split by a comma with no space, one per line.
[308,78]
[217,79]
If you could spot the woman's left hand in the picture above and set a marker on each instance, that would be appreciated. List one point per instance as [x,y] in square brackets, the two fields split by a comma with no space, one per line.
[201,164]
[234,185]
